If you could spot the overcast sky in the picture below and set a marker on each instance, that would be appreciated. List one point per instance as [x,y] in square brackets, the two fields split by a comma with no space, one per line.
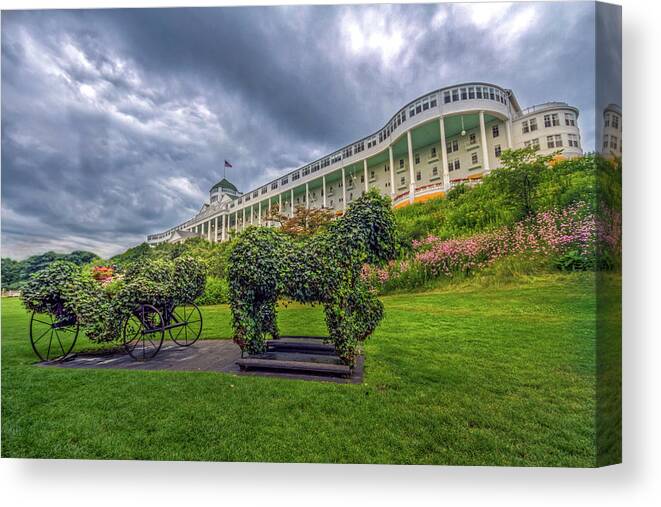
[115,123]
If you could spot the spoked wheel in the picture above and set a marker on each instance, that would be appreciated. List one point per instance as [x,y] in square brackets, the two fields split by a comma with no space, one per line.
[189,318]
[52,337]
[143,332]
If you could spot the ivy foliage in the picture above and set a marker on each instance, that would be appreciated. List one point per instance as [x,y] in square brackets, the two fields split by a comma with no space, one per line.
[66,290]
[266,264]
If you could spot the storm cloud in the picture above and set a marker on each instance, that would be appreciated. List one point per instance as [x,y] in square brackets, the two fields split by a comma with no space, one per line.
[115,123]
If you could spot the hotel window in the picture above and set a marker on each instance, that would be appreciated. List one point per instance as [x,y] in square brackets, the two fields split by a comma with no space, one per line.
[284,181]
[605,142]
[492,95]
[264,190]
[417,158]
[295,176]
[572,140]
[452,146]
[535,143]
[401,163]
[371,175]
[524,127]
[479,92]
[554,141]
[616,122]
[455,95]
[474,159]
[433,152]
[274,185]
[533,124]
[446,97]
[255,194]
[432,102]
[569,120]
[425,104]
[471,92]
[613,143]
[555,119]
[457,165]
[418,107]
[472,139]
[464,94]
[495,131]
[434,171]
[497,150]
[418,176]
[402,181]
[607,121]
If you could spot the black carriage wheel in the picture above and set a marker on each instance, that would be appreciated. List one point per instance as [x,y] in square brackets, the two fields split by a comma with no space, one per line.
[143,333]
[52,338]
[189,332]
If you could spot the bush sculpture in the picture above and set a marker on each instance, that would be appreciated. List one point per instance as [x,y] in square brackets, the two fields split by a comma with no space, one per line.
[64,289]
[265,264]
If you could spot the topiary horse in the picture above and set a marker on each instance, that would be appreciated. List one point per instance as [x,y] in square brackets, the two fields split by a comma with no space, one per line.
[265,264]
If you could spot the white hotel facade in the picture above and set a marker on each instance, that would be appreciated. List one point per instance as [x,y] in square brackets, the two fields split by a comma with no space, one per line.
[450,136]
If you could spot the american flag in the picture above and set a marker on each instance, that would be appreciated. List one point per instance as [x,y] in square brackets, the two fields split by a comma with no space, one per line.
[227,164]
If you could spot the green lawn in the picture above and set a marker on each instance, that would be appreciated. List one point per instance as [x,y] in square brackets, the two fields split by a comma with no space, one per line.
[471,376]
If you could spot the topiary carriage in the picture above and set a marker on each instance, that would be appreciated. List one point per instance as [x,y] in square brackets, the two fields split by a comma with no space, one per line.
[266,264]
[149,299]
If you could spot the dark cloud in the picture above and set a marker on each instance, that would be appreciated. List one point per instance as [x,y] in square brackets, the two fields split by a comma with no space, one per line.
[116,122]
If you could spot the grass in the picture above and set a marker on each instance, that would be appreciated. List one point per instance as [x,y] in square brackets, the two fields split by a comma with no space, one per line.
[468,375]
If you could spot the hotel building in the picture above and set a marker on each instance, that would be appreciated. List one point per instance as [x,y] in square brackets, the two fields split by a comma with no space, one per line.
[612,131]
[452,135]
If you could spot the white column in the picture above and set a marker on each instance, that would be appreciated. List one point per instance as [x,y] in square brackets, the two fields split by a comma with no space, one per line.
[365,171]
[243,222]
[392,172]
[409,140]
[224,218]
[215,230]
[291,207]
[209,231]
[280,204]
[344,191]
[444,155]
[307,197]
[508,130]
[252,213]
[323,190]
[269,212]
[236,221]
[483,140]
[259,212]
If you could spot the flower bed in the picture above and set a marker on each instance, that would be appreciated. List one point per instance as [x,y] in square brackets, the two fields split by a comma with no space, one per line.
[568,237]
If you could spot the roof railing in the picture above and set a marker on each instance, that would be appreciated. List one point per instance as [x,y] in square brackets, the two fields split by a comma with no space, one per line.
[540,107]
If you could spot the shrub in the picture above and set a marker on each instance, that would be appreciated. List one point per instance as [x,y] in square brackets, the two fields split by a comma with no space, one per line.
[216,292]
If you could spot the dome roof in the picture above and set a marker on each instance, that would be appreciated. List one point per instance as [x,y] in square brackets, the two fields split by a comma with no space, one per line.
[224,184]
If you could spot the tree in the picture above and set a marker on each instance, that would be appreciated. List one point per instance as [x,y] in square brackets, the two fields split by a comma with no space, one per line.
[81,257]
[519,177]
[12,273]
[305,222]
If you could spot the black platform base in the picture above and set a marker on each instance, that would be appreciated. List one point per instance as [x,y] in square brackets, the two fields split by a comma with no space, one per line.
[302,355]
